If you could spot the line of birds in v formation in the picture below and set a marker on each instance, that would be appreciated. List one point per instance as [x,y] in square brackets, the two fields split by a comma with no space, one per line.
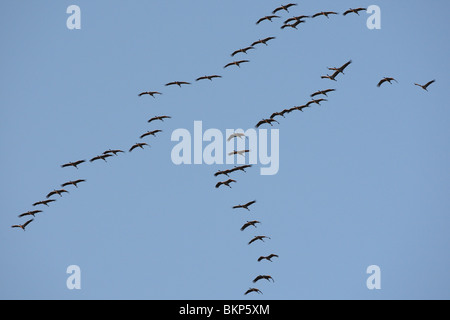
[289,23]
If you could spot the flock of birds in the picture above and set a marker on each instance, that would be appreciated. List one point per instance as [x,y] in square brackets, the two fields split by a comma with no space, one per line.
[292,22]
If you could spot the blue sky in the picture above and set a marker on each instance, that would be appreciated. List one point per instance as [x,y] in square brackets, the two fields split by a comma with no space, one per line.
[363,178]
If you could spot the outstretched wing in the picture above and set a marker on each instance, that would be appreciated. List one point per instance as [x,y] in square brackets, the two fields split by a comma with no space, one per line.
[250,203]
[51,194]
[245,226]
[428,83]
[381,82]
[27,223]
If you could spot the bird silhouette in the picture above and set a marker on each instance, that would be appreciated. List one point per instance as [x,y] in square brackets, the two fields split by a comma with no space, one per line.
[332,77]
[258,238]
[224,172]
[74,183]
[235,63]
[252,290]
[269,18]
[425,86]
[266,277]
[150,93]
[58,192]
[245,206]
[326,14]
[29,213]
[160,118]
[269,257]
[243,167]
[297,18]
[114,152]
[263,121]
[138,145]
[316,101]
[284,7]
[208,77]
[386,79]
[150,133]
[226,183]
[293,25]
[281,113]
[322,92]
[249,223]
[178,83]
[235,135]
[354,11]
[101,157]
[243,50]
[300,108]
[240,152]
[22,226]
[342,68]
[73,164]
[45,202]
[263,41]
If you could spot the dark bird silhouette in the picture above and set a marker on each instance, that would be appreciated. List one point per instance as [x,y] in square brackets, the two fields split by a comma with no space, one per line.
[298,18]
[58,192]
[240,152]
[150,93]
[425,86]
[150,133]
[300,108]
[160,118]
[73,164]
[101,157]
[341,69]
[243,167]
[258,238]
[45,202]
[269,18]
[326,14]
[29,213]
[386,79]
[245,206]
[178,83]
[281,113]
[249,223]
[269,121]
[138,145]
[269,257]
[208,77]
[226,183]
[235,63]
[332,77]
[266,277]
[73,183]
[316,101]
[243,50]
[224,172]
[322,92]
[263,41]
[22,226]
[354,11]
[293,25]
[284,7]
[114,152]
[252,290]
